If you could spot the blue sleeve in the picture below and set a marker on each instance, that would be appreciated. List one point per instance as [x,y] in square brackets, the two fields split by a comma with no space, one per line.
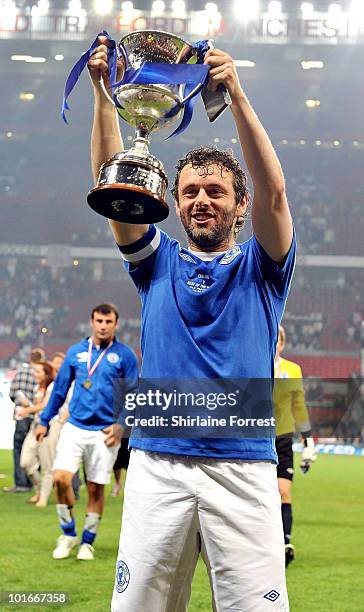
[61,387]
[131,369]
[278,276]
[127,383]
[145,252]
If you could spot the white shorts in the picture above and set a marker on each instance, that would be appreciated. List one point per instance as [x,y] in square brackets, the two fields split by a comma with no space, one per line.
[76,445]
[177,507]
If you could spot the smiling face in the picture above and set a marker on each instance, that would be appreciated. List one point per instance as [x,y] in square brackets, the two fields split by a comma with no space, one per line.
[207,207]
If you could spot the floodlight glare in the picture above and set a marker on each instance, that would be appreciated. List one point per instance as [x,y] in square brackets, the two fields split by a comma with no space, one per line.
[275,8]
[7,8]
[41,8]
[158,7]
[74,6]
[199,23]
[103,7]
[311,64]
[35,60]
[244,64]
[246,10]
[334,9]
[313,103]
[307,9]
[26,96]
[211,8]
[179,8]
[127,7]
[356,11]
[29,59]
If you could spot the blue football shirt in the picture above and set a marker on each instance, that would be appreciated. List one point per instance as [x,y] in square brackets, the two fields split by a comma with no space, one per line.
[91,408]
[208,319]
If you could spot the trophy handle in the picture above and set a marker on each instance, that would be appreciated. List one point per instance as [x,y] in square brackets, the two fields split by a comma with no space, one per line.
[106,92]
[192,93]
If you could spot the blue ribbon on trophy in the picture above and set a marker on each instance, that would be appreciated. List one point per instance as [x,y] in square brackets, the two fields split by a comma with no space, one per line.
[193,76]
[162,76]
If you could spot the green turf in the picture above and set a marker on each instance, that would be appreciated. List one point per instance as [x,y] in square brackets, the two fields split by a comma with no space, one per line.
[327,575]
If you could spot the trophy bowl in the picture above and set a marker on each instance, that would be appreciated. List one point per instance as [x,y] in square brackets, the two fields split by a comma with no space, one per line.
[132,185]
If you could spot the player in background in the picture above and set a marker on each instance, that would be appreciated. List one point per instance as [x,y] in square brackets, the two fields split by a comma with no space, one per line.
[291,416]
[95,365]
[50,442]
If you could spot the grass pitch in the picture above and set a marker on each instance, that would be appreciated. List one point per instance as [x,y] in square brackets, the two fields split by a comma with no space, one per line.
[328,532]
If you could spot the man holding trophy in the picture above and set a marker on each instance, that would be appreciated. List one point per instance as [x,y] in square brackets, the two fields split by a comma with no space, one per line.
[210,310]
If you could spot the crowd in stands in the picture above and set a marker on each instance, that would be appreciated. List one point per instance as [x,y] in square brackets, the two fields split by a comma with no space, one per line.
[45,305]
[51,306]
[324,188]
[42,303]
[336,409]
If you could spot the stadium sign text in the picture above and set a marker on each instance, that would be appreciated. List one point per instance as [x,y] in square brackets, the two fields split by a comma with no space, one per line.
[61,25]
[332,449]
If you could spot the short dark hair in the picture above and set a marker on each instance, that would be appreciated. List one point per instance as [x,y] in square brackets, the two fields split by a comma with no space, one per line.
[206,156]
[105,309]
[37,355]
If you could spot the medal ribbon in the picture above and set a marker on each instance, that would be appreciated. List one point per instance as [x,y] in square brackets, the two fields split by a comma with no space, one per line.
[98,360]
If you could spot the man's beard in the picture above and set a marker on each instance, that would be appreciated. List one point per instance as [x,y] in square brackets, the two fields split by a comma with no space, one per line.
[210,237]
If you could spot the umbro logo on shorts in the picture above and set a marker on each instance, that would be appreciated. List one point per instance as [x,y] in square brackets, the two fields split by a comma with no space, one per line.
[272,595]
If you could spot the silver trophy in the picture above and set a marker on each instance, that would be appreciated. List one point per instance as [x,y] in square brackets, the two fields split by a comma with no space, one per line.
[132,184]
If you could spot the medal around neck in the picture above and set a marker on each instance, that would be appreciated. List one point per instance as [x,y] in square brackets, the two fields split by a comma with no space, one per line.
[132,185]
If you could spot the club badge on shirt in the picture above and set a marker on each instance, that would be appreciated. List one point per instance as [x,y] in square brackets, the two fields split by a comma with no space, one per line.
[230,255]
[112,357]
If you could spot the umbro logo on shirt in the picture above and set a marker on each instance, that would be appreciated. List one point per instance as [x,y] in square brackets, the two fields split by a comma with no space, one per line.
[82,357]
[186,257]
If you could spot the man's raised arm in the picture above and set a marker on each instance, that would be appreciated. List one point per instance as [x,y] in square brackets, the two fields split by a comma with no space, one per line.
[106,138]
[272,223]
